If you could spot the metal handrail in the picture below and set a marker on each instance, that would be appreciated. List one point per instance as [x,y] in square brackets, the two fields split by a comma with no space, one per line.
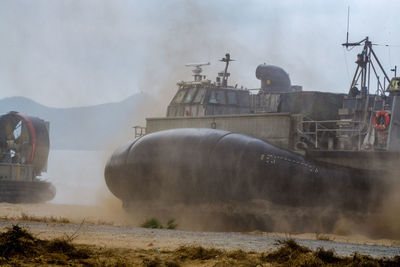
[319,127]
[139,131]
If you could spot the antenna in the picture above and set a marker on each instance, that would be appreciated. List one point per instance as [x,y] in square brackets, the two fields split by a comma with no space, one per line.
[197,69]
[348,23]
[347,44]
[226,59]
[197,64]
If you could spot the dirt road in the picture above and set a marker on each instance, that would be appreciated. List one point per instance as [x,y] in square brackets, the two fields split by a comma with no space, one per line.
[110,227]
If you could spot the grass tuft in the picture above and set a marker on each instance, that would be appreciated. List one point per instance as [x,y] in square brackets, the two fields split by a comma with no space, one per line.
[289,251]
[171,224]
[197,253]
[154,262]
[152,223]
[30,218]
[65,247]
[327,256]
[51,219]
[322,237]
[237,255]
[17,241]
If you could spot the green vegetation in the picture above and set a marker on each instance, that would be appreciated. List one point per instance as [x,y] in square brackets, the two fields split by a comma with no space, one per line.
[171,224]
[154,223]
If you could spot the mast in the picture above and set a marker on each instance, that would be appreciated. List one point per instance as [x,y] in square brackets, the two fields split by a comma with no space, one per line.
[364,63]
[225,76]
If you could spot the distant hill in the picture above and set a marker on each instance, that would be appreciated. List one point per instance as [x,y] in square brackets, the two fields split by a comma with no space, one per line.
[96,127]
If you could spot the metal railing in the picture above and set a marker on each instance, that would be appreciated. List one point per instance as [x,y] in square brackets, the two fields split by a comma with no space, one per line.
[139,131]
[315,131]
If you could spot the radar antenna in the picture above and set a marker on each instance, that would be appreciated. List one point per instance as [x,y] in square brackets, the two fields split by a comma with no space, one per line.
[197,70]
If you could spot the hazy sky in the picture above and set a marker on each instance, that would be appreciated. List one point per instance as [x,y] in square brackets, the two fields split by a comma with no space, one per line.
[82,52]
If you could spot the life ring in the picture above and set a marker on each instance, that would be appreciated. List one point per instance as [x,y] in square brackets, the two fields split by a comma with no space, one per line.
[381,120]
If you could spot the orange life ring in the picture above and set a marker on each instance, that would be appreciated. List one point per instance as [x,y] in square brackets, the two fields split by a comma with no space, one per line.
[378,123]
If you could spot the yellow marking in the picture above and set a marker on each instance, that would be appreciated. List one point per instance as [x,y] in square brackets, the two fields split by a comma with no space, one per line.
[18,172]
[268,82]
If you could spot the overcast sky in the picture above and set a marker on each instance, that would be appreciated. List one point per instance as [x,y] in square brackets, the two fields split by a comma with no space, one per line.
[83,52]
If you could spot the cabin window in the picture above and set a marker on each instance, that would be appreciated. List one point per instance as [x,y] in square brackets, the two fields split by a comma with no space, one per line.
[232,98]
[221,97]
[200,96]
[190,95]
[394,84]
[179,96]
[213,97]
[217,97]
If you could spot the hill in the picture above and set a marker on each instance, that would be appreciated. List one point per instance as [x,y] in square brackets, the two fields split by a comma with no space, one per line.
[95,127]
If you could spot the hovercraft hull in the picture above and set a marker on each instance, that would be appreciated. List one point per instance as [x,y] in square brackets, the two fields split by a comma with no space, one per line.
[207,165]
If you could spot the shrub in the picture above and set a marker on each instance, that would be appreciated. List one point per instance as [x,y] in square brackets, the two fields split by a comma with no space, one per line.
[152,223]
[171,224]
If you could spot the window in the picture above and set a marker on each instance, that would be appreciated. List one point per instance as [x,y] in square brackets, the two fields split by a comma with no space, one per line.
[213,97]
[232,98]
[179,96]
[217,97]
[200,95]
[221,97]
[394,84]
[190,95]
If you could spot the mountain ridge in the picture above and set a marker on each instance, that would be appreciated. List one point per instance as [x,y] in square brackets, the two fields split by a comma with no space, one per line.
[95,127]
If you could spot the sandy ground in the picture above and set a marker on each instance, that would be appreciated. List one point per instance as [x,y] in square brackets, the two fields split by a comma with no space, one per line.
[109,226]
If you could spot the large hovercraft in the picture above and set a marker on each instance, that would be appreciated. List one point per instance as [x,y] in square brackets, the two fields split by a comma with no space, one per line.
[24,148]
[279,143]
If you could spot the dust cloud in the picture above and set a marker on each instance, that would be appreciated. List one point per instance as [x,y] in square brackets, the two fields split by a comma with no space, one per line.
[266,216]
[86,197]
[79,174]
[382,222]
[179,189]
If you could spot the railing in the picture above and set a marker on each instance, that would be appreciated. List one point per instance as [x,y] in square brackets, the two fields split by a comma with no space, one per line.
[139,131]
[343,130]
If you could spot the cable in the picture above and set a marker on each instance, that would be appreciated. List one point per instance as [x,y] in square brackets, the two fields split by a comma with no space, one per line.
[386,45]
